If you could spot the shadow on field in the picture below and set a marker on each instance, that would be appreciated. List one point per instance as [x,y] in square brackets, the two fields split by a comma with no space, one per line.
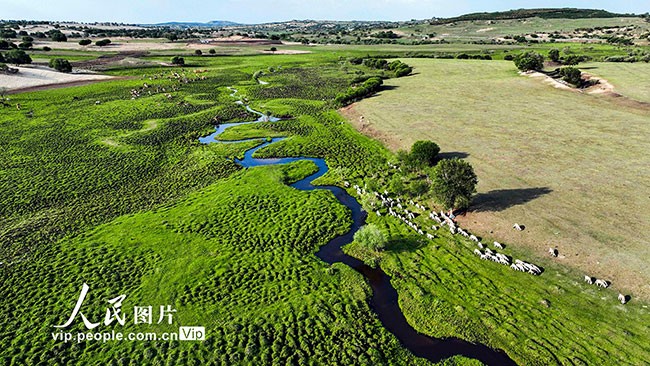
[451,155]
[404,243]
[501,199]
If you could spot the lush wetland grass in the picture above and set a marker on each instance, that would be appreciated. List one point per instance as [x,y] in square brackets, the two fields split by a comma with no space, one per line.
[122,196]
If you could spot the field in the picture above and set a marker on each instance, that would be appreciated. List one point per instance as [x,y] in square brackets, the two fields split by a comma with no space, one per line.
[630,80]
[102,185]
[484,30]
[179,223]
[564,164]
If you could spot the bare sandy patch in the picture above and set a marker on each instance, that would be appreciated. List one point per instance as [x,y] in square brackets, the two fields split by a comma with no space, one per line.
[29,77]
[482,30]
[556,83]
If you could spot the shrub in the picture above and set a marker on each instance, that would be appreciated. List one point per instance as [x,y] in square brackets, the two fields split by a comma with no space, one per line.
[529,61]
[60,64]
[17,57]
[368,87]
[46,49]
[198,52]
[177,60]
[574,59]
[554,55]
[424,152]
[25,45]
[370,237]
[212,51]
[571,75]
[103,42]
[508,57]
[57,36]
[85,42]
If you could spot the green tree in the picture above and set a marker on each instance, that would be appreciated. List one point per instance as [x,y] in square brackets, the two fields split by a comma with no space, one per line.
[58,36]
[198,52]
[424,152]
[60,64]
[571,75]
[171,36]
[454,183]
[103,42]
[85,42]
[177,60]
[212,51]
[273,49]
[17,57]
[554,55]
[370,237]
[529,60]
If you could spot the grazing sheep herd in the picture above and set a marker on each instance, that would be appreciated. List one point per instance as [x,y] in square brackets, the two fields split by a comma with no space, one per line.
[399,209]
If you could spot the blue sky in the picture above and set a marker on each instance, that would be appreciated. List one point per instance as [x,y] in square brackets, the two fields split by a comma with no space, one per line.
[259,11]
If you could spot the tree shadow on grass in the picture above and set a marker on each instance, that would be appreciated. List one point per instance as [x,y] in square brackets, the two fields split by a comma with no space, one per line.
[501,199]
[406,243]
[451,155]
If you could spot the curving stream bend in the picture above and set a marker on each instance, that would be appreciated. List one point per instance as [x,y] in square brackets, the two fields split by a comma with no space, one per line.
[384,296]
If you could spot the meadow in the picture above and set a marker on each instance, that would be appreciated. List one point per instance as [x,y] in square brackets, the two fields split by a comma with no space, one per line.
[118,193]
[563,163]
[629,80]
[478,30]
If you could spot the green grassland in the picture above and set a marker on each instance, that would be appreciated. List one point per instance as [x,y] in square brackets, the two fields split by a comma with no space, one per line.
[445,290]
[563,163]
[120,195]
[483,30]
[630,80]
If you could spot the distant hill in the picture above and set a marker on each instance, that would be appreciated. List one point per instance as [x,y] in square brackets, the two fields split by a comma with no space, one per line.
[563,13]
[211,24]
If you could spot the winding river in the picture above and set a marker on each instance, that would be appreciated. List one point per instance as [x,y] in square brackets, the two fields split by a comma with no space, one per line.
[384,296]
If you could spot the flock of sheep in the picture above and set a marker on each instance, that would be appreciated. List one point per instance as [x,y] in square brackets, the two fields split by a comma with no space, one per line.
[399,209]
